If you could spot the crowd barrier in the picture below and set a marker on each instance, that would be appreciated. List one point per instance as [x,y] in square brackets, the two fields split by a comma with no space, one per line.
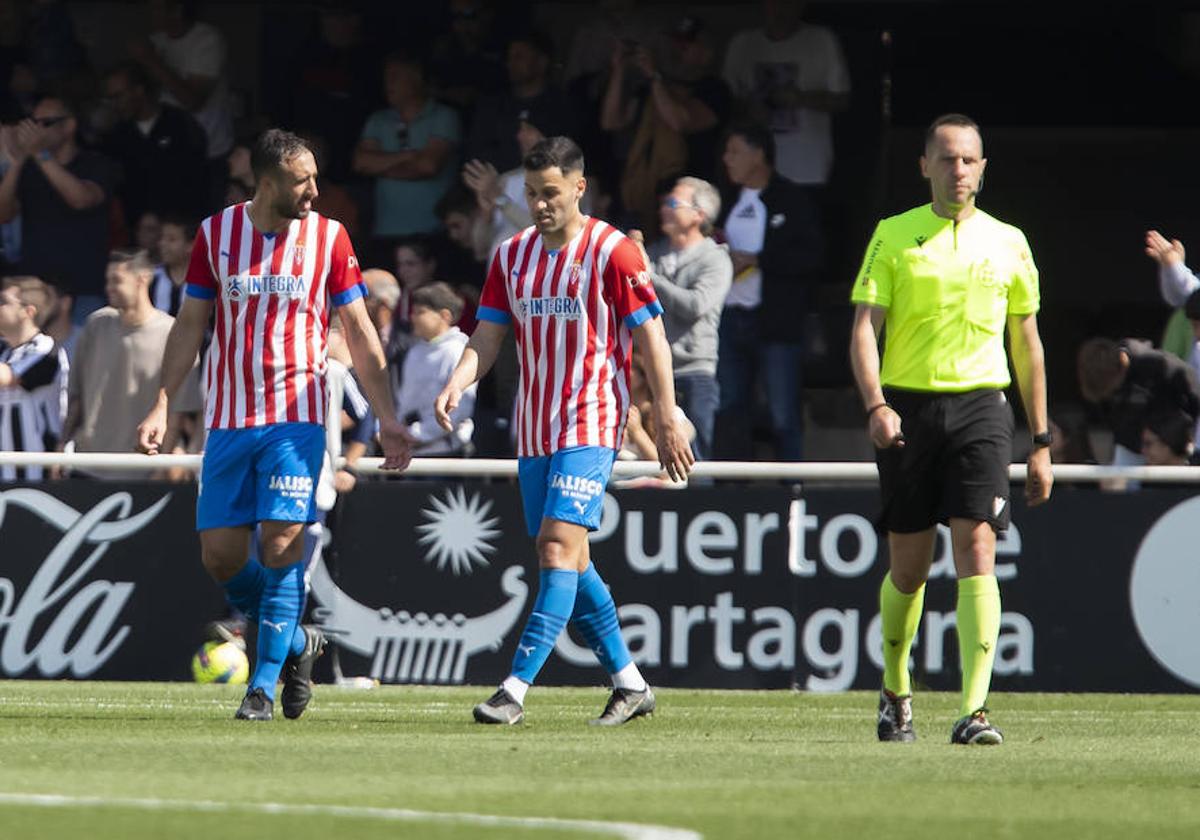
[768,583]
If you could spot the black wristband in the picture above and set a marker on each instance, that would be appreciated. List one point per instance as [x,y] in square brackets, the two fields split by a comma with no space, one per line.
[878,406]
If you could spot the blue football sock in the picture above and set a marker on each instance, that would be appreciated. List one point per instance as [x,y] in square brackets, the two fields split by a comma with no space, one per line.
[279,615]
[551,612]
[596,617]
[244,590]
[298,639]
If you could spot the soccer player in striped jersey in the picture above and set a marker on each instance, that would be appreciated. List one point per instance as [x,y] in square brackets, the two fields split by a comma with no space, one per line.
[33,376]
[578,297]
[272,269]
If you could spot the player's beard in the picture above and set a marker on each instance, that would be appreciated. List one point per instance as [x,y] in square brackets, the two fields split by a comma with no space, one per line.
[292,208]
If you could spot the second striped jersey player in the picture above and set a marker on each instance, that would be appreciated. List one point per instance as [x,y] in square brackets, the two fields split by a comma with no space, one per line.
[578,297]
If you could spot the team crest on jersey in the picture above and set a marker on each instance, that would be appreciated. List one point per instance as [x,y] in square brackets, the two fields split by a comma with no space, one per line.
[573,278]
[298,255]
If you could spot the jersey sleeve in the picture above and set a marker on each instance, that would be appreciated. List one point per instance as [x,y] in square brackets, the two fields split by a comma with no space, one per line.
[1024,297]
[345,281]
[873,286]
[201,282]
[494,304]
[627,285]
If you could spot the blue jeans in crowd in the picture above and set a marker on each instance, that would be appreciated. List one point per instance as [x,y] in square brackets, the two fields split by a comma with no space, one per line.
[742,356]
[699,397]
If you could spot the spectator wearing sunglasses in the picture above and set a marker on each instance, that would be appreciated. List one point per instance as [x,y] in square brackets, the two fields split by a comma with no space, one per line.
[692,274]
[62,193]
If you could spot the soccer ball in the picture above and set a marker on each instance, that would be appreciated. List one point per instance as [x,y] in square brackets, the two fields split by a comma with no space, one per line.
[221,662]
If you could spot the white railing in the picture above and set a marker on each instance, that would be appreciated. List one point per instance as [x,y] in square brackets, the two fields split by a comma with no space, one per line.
[507,468]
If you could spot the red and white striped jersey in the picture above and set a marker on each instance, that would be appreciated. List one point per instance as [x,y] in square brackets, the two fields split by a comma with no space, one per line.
[273,293]
[572,311]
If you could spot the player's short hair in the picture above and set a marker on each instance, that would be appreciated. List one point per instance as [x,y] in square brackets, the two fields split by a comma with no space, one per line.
[136,260]
[1101,371]
[706,199]
[35,292]
[562,152]
[957,120]
[757,135]
[438,296]
[272,149]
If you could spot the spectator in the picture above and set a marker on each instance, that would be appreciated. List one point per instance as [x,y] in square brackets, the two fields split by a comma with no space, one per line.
[677,108]
[115,378]
[501,197]
[466,60]
[1132,382]
[416,266]
[383,297]
[1167,440]
[161,148]
[792,76]
[33,375]
[468,228]
[383,301]
[335,86]
[775,243]
[62,193]
[427,365]
[691,275]
[409,149]
[1180,288]
[530,98]
[237,167]
[175,251]
[613,22]
[146,233]
[188,60]
[58,323]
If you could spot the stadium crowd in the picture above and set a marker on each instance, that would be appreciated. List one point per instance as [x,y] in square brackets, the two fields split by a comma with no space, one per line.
[714,152]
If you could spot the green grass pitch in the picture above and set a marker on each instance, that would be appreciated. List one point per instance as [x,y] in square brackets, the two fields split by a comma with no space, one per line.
[131,761]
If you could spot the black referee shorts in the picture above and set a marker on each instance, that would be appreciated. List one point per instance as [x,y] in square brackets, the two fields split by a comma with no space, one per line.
[954,462]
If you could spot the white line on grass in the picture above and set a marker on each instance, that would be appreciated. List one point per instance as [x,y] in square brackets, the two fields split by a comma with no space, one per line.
[624,830]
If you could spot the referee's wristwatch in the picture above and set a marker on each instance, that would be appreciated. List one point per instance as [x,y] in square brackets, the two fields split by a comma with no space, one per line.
[1042,440]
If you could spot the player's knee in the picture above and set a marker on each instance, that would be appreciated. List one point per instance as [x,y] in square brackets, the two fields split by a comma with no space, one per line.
[976,557]
[281,550]
[221,565]
[907,580]
[555,554]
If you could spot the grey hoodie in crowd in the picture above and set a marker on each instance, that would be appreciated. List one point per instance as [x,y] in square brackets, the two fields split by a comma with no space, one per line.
[692,285]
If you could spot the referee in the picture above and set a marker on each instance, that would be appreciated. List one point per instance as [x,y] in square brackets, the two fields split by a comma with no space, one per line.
[945,278]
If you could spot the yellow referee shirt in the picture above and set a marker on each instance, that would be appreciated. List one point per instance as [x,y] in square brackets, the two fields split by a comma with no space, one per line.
[948,289]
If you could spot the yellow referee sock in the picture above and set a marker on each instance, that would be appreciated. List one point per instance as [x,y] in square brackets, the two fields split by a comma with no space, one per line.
[900,614]
[978,631]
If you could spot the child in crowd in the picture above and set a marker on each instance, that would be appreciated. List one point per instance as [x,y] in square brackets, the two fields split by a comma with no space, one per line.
[434,308]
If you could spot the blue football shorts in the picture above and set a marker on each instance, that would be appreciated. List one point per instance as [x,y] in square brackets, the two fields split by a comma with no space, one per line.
[568,486]
[260,474]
